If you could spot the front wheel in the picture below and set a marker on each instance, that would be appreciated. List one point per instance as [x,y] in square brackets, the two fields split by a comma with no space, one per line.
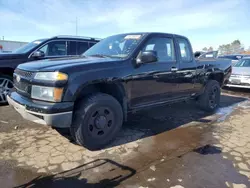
[97,120]
[210,99]
[6,85]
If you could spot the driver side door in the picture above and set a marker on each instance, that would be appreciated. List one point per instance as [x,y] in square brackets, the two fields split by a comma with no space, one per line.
[154,83]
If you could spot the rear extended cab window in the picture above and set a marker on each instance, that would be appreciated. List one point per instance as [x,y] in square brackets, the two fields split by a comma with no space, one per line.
[78,47]
[185,50]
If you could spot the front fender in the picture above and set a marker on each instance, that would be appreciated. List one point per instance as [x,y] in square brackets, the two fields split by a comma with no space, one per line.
[78,82]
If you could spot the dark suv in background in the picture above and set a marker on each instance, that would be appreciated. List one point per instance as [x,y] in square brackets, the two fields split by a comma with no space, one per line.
[55,47]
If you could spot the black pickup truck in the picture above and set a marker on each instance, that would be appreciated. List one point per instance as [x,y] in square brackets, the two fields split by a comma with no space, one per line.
[124,73]
[55,47]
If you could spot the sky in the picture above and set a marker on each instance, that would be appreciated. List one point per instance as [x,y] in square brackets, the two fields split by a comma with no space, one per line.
[204,22]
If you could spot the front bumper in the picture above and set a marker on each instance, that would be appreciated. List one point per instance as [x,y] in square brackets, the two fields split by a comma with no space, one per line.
[238,86]
[53,114]
[238,82]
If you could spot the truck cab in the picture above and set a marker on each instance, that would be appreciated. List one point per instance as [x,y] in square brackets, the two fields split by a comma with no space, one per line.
[92,94]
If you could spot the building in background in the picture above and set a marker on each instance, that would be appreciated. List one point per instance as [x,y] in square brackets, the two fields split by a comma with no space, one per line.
[8,46]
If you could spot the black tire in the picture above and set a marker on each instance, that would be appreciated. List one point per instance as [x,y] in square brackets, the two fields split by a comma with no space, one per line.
[210,99]
[96,121]
[3,89]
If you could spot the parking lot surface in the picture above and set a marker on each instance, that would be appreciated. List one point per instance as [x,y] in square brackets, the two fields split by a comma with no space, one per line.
[172,146]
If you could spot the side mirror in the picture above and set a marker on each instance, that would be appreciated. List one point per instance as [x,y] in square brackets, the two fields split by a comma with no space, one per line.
[38,54]
[147,57]
[197,54]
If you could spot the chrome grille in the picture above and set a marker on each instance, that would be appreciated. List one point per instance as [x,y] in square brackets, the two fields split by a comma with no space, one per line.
[21,81]
[22,87]
[26,74]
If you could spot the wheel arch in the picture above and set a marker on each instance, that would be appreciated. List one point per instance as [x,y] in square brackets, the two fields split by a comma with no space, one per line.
[219,77]
[116,90]
[6,71]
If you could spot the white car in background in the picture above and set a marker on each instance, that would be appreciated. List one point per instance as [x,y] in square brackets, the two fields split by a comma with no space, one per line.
[240,76]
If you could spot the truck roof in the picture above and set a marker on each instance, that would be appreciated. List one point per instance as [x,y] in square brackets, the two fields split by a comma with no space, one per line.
[151,33]
[76,37]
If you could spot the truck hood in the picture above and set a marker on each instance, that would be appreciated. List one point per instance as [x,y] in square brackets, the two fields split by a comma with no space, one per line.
[63,63]
[7,56]
[241,71]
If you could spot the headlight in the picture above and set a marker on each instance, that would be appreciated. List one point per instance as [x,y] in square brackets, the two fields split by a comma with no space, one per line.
[47,93]
[51,76]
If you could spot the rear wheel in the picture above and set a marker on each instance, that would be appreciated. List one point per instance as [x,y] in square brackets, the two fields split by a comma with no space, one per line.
[96,121]
[210,99]
[6,85]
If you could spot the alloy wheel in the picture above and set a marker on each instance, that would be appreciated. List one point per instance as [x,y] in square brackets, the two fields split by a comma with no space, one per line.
[213,96]
[6,85]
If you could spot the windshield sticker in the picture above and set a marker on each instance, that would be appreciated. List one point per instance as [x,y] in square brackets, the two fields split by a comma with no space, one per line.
[37,42]
[135,37]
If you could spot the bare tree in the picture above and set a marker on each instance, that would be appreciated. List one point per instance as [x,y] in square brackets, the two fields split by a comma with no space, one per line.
[210,48]
[236,47]
[224,49]
[204,49]
[233,48]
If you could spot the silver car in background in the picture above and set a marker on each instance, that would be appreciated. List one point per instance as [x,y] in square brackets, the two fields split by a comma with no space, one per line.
[240,76]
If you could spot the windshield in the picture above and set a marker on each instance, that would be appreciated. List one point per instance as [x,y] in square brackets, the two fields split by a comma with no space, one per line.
[120,46]
[243,63]
[27,47]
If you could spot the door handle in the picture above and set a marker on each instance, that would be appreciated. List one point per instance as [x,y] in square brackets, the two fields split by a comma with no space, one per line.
[174,69]
[156,76]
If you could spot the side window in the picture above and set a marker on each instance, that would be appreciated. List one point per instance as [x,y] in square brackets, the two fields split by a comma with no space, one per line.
[44,49]
[239,56]
[208,55]
[55,48]
[82,47]
[72,48]
[91,44]
[150,47]
[185,50]
[164,48]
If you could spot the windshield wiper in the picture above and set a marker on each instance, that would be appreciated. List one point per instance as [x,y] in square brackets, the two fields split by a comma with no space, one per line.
[100,55]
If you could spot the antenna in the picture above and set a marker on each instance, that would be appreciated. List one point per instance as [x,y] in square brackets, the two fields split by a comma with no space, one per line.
[76,26]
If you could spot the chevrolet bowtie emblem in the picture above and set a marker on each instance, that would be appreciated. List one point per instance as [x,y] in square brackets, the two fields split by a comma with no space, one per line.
[18,78]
